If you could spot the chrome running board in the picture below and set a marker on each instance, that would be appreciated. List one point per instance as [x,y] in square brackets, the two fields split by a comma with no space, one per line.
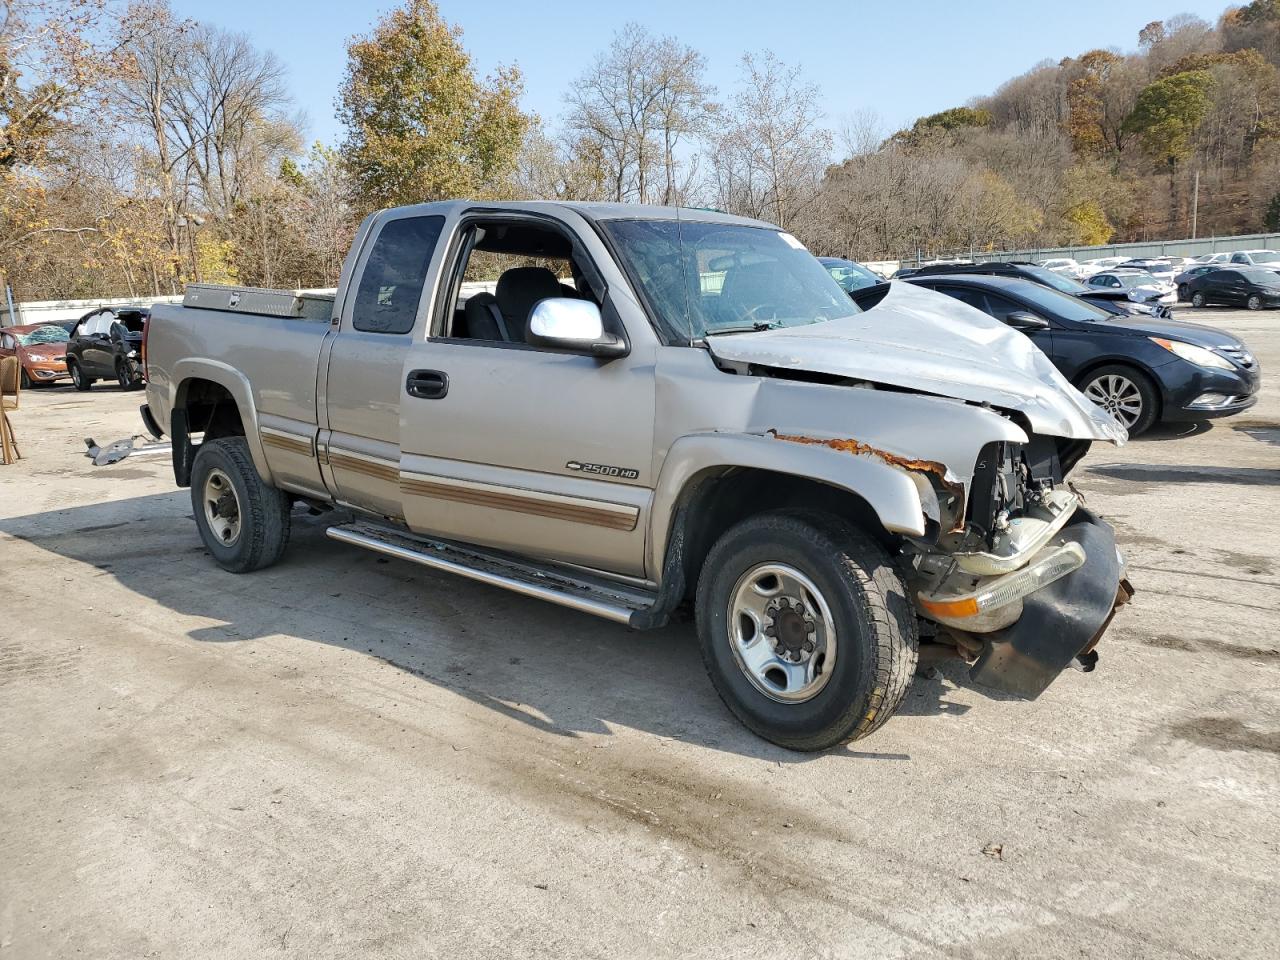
[568,588]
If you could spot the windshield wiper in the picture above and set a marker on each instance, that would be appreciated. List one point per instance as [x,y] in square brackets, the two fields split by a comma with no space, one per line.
[756,327]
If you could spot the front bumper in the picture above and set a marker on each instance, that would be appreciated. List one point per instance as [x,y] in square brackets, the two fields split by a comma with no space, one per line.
[1061,621]
[46,371]
[1187,384]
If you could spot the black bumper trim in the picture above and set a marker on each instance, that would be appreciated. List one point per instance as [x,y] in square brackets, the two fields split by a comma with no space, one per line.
[1058,622]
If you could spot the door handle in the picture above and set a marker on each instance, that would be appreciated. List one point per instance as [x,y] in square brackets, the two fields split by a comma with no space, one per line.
[427,384]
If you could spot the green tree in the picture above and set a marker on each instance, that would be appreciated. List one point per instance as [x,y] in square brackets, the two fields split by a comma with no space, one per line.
[419,124]
[1165,118]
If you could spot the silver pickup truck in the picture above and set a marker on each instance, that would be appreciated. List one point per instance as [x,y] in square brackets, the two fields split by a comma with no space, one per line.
[650,409]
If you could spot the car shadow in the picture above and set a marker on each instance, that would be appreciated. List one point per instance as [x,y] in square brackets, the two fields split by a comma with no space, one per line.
[1188,473]
[1174,431]
[558,671]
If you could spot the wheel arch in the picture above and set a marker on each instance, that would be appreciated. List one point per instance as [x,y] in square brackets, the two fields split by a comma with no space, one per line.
[710,482]
[216,400]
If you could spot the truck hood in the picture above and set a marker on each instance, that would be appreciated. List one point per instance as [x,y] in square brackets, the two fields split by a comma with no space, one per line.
[929,342]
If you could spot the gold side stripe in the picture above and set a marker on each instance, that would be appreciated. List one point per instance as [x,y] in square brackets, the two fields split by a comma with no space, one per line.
[616,517]
[389,472]
[291,444]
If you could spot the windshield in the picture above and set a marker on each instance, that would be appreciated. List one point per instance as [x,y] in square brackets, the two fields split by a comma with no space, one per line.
[1268,277]
[1056,280]
[1060,304]
[42,335]
[851,276]
[707,278]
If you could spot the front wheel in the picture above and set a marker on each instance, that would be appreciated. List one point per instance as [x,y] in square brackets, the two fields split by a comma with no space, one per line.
[24,379]
[1125,393]
[1254,302]
[78,378]
[805,629]
[243,521]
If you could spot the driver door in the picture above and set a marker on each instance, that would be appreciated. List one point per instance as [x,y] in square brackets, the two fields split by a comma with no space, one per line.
[537,452]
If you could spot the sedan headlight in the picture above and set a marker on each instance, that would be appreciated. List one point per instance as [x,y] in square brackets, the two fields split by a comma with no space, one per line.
[1193,354]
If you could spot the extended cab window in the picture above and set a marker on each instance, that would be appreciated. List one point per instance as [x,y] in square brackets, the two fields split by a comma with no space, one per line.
[391,285]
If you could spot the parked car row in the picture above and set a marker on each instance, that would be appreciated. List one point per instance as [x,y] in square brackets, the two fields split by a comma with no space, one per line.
[104,344]
[1130,358]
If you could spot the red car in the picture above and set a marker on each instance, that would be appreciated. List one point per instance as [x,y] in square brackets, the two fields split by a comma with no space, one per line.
[41,349]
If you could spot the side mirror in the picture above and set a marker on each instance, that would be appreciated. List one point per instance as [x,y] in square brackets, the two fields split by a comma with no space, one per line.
[1026,322]
[563,323]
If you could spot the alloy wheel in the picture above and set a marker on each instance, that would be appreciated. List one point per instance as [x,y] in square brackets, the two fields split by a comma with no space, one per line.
[1118,395]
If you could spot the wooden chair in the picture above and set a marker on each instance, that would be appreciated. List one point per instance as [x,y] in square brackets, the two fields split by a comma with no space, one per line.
[10,387]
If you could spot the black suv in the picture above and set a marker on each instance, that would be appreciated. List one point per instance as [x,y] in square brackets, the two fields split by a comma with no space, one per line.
[1112,301]
[106,345]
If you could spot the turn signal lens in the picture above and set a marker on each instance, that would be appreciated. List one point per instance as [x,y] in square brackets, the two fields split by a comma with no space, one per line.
[968,607]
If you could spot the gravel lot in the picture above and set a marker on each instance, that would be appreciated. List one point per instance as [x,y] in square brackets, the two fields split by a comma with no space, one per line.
[349,757]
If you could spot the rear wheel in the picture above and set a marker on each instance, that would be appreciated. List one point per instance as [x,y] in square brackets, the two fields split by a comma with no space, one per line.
[1125,393]
[78,377]
[1182,292]
[1254,302]
[1198,300]
[805,629]
[124,375]
[243,521]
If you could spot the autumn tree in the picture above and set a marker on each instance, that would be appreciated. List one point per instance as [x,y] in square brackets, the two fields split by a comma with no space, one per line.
[419,124]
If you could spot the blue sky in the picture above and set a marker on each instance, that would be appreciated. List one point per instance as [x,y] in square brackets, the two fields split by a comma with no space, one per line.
[902,59]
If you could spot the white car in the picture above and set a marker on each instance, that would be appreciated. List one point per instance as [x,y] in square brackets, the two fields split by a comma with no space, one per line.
[1063,266]
[1098,264]
[1267,259]
[1142,287]
[1213,258]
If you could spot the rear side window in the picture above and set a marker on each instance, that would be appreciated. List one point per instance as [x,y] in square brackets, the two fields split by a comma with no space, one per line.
[391,285]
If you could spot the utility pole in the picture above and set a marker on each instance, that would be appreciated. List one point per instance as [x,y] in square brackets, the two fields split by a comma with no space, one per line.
[1195,204]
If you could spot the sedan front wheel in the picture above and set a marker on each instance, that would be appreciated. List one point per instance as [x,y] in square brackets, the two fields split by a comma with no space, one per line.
[1254,302]
[1126,394]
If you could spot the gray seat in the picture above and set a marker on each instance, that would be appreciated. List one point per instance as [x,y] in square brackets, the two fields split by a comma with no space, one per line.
[504,315]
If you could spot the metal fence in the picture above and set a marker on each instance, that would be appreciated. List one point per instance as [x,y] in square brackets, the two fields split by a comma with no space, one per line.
[1153,248]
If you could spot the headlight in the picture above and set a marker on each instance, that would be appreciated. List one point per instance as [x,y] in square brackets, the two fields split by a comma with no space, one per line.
[1193,354]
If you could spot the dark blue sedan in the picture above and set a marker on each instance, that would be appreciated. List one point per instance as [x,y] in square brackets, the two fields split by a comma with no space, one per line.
[1143,370]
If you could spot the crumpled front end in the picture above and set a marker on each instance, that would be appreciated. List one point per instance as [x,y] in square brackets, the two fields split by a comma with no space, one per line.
[1031,581]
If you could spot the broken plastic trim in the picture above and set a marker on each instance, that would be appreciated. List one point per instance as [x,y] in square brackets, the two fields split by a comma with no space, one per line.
[858,448]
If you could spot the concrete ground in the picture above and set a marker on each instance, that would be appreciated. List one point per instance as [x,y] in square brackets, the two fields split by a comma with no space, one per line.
[345,756]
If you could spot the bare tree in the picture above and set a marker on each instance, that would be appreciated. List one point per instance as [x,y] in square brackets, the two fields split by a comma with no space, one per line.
[769,155]
[636,105]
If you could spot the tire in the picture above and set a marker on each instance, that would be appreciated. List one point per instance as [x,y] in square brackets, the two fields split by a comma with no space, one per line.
[124,376]
[1198,300]
[1104,387]
[1254,302]
[78,378]
[1182,293]
[24,379]
[261,522]
[858,593]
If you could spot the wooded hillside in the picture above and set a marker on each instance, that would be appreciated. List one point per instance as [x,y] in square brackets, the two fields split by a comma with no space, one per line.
[140,151]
